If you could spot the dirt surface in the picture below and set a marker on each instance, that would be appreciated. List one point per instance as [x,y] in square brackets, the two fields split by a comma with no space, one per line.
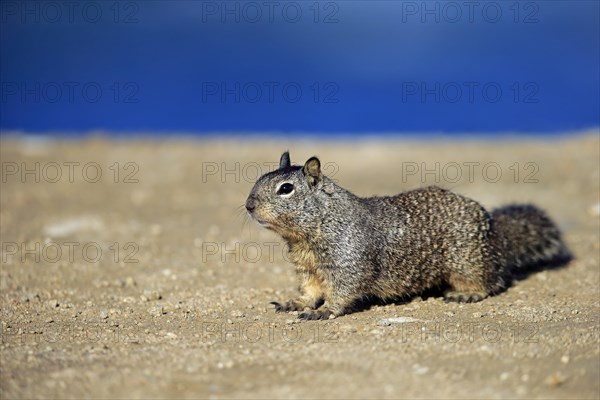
[148,281]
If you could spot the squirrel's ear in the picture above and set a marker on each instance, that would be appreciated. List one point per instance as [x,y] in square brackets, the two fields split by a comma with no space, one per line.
[284,161]
[312,171]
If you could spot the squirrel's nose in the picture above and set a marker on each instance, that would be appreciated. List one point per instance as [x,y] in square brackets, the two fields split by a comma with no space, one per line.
[251,204]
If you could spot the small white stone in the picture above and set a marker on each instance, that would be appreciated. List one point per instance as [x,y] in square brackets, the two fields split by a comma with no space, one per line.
[420,369]
[151,295]
[396,320]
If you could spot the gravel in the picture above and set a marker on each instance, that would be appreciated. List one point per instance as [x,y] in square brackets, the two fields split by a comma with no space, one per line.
[177,305]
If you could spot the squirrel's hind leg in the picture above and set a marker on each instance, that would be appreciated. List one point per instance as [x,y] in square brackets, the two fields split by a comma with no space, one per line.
[472,276]
[463,290]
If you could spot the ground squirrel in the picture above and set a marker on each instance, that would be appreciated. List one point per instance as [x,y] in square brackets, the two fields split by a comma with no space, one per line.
[348,249]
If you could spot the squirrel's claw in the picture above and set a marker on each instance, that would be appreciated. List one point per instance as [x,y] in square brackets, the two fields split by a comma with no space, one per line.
[314,315]
[286,307]
[290,305]
[278,306]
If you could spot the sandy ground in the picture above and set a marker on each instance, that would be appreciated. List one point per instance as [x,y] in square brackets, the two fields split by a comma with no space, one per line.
[147,280]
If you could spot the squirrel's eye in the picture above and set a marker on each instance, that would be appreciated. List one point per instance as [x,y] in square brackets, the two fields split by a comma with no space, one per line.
[286,188]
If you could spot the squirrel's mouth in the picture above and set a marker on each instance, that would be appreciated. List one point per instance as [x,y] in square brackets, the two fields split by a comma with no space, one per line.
[265,224]
[260,221]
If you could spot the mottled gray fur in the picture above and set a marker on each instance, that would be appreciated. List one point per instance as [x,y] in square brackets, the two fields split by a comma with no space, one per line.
[347,248]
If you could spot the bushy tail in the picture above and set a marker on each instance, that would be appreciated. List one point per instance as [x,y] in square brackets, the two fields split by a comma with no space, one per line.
[528,239]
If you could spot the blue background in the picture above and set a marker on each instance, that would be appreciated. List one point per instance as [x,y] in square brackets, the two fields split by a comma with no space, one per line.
[376,66]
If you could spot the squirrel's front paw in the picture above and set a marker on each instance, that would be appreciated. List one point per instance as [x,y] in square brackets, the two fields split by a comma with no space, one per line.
[290,305]
[316,314]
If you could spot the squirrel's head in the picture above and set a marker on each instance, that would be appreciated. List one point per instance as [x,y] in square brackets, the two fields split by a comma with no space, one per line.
[289,200]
